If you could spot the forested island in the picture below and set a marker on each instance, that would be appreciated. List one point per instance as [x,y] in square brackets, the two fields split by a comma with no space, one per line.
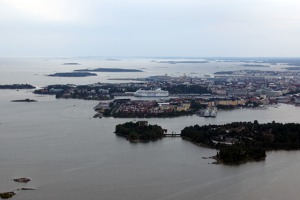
[17,86]
[73,74]
[108,70]
[139,131]
[239,142]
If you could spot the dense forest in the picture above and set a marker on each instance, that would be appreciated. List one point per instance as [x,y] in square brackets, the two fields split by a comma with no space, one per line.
[139,131]
[243,141]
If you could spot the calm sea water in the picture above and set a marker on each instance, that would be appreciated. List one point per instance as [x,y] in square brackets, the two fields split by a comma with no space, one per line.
[34,70]
[70,155]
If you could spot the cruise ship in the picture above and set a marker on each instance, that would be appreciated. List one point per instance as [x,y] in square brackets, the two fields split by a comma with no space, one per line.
[151,93]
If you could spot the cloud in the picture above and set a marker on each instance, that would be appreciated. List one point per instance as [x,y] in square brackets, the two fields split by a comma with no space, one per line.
[150,27]
[56,10]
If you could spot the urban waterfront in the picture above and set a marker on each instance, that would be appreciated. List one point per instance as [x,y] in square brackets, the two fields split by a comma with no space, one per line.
[70,155]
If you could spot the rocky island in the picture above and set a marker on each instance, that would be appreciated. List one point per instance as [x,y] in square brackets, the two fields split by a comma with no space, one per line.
[7,195]
[240,142]
[21,180]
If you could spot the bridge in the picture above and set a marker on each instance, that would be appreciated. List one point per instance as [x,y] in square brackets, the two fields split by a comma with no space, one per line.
[172,135]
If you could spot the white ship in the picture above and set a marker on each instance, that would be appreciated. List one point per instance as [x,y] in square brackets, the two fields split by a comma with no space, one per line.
[209,112]
[151,93]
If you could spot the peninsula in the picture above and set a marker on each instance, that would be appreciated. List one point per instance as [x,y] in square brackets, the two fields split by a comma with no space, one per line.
[240,142]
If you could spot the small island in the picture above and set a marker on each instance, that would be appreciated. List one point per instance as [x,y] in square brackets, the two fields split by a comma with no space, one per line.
[7,195]
[73,74]
[108,70]
[240,142]
[21,180]
[140,131]
[24,100]
[71,63]
[17,86]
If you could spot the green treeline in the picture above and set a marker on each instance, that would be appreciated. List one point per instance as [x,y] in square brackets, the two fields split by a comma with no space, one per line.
[239,153]
[139,131]
[242,141]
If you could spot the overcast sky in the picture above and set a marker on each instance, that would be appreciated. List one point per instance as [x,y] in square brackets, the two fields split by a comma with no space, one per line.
[150,28]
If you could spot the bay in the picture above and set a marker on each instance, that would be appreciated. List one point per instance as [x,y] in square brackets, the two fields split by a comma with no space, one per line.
[70,155]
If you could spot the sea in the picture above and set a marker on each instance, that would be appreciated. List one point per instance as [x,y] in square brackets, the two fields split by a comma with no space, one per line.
[69,155]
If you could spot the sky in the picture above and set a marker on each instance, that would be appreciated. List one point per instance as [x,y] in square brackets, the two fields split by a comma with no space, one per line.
[194,28]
